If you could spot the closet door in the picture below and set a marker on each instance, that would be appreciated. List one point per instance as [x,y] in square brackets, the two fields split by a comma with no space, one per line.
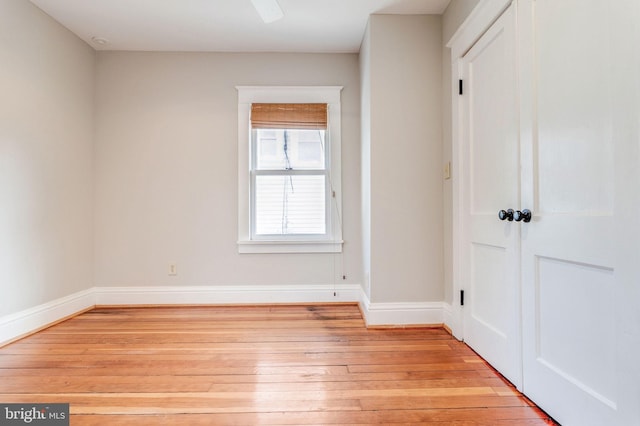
[552,300]
[569,275]
[489,246]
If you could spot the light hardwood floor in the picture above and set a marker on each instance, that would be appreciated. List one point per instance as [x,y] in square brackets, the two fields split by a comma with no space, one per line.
[255,365]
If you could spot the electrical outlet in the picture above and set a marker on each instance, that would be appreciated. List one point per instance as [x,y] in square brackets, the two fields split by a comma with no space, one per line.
[173,269]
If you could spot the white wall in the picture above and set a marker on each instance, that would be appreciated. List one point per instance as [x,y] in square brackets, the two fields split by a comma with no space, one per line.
[166,169]
[402,142]
[453,17]
[46,110]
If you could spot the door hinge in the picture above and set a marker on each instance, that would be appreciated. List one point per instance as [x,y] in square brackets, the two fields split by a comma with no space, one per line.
[461,297]
[460,87]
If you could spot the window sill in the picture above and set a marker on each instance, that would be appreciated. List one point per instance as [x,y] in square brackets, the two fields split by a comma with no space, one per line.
[290,246]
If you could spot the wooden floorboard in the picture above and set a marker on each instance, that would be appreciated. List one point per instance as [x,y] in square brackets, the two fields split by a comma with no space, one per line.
[288,365]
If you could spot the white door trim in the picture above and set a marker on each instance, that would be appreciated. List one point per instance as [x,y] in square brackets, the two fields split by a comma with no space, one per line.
[478,21]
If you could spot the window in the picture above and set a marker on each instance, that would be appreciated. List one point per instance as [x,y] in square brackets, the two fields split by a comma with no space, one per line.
[289,183]
[289,169]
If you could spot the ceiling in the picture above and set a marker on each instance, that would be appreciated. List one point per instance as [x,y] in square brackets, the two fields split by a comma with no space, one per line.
[226,25]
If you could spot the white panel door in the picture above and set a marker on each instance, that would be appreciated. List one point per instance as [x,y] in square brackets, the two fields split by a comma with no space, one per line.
[553,303]
[490,176]
[569,253]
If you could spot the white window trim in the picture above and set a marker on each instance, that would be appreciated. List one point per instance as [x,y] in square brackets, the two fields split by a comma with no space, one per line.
[288,94]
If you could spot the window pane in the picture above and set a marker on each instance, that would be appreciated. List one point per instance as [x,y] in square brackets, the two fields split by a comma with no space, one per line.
[296,149]
[288,205]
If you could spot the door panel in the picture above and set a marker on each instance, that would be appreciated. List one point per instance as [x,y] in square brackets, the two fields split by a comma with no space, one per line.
[490,247]
[565,334]
[568,254]
[574,144]
[487,279]
[490,72]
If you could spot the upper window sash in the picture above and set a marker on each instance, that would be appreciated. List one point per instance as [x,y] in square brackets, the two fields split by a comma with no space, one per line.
[268,149]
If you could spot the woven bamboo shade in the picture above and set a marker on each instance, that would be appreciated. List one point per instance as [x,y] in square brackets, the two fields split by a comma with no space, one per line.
[289,116]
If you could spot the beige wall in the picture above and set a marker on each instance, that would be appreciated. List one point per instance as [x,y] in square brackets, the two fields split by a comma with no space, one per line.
[166,169]
[163,167]
[365,149]
[453,17]
[401,72]
[46,159]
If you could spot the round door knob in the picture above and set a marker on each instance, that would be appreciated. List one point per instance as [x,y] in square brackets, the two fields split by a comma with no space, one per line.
[524,215]
[506,215]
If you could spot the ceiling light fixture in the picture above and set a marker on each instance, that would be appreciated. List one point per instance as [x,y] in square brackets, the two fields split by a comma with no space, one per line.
[99,41]
[269,10]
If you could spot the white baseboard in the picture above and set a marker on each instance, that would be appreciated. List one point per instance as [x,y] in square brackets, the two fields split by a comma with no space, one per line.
[452,320]
[30,320]
[401,313]
[240,294]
